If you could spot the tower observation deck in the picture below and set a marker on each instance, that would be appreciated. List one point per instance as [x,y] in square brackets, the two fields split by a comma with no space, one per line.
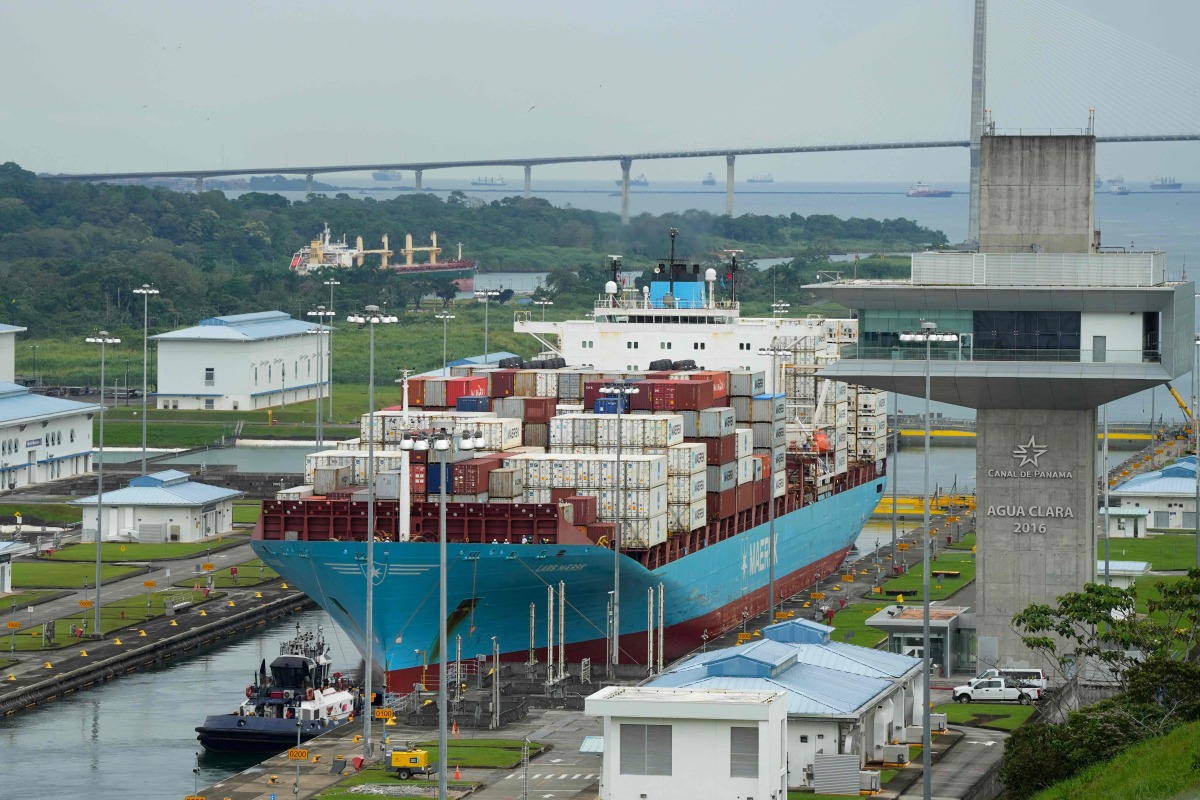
[1049,326]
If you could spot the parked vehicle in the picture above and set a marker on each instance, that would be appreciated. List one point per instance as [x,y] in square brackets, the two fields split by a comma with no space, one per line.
[994,690]
[407,762]
[1035,678]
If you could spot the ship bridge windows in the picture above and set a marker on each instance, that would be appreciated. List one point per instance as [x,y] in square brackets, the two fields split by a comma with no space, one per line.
[634,345]
[699,345]
[664,345]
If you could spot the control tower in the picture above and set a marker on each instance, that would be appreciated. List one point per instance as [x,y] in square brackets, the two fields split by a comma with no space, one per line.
[1050,326]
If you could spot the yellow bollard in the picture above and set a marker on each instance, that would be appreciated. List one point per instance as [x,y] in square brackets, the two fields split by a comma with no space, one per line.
[357,739]
[316,759]
[273,779]
[283,585]
[899,598]
[391,723]
[203,613]
[231,604]
[174,624]
[141,633]
[49,665]
[258,595]
[11,677]
[117,641]
[83,653]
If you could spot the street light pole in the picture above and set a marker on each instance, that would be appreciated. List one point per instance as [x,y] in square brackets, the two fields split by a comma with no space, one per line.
[774,353]
[928,334]
[329,353]
[487,295]
[543,304]
[145,291]
[104,340]
[620,390]
[445,318]
[370,317]
[322,315]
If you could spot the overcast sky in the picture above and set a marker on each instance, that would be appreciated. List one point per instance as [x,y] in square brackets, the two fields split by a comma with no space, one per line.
[156,85]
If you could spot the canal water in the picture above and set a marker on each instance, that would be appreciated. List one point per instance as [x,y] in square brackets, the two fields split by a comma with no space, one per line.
[134,738]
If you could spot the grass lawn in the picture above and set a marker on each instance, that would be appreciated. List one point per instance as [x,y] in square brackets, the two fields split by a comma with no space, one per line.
[246,512]
[854,618]
[376,776]
[1165,551]
[33,514]
[114,616]
[966,543]
[63,574]
[910,585]
[22,600]
[1164,766]
[135,551]
[250,573]
[6,663]
[998,716]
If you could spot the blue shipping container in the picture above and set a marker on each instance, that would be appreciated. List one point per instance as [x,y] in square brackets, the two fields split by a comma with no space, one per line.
[467,403]
[606,405]
[433,478]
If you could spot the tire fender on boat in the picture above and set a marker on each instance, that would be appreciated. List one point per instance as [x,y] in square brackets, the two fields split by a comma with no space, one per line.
[250,690]
[309,694]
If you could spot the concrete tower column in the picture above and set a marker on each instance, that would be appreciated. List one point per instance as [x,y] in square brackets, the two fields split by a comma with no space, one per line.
[528,179]
[626,163]
[308,185]
[199,185]
[978,97]
[417,178]
[729,185]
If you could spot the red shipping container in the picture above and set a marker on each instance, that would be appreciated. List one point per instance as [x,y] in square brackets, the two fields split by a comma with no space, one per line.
[760,491]
[465,387]
[584,508]
[559,495]
[416,479]
[416,391]
[503,383]
[722,504]
[745,496]
[766,465]
[591,393]
[682,395]
[602,533]
[471,477]
[539,410]
[720,451]
[720,381]
[643,400]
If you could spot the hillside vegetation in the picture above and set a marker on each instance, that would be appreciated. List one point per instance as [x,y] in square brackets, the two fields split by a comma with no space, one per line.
[70,253]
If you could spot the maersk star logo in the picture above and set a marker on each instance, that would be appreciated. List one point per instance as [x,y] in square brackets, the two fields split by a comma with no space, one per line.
[1030,452]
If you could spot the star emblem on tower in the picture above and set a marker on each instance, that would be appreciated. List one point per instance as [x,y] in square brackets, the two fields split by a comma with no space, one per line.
[1030,452]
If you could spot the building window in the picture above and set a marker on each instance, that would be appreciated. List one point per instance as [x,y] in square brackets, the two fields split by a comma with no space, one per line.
[209,376]
[645,749]
[209,404]
[256,376]
[803,738]
[743,752]
[72,438]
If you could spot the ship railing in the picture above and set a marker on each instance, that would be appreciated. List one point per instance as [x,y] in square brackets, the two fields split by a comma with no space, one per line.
[607,303]
[967,352]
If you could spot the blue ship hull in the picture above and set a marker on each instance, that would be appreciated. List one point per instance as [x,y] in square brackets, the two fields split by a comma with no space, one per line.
[491,587]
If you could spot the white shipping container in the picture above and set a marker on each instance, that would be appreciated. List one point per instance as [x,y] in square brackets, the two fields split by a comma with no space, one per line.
[745,469]
[687,488]
[294,493]
[743,383]
[745,442]
[767,408]
[350,444]
[841,462]
[507,482]
[684,517]
[687,458]
[778,484]
[562,432]
[644,533]
[713,423]
[723,477]
[770,434]
[537,496]
[643,503]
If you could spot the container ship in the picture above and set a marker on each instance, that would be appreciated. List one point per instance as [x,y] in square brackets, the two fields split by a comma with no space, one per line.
[493,182]
[768,178]
[1166,185]
[554,472]
[640,180]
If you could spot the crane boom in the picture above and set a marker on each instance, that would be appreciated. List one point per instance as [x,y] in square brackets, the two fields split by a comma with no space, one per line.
[1187,412]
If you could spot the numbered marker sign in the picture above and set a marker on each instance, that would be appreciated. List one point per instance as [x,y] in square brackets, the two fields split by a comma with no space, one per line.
[13,624]
[208,567]
[149,584]
[382,713]
[298,754]
[85,603]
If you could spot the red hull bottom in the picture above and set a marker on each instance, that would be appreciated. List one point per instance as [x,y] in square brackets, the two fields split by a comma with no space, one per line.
[678,640]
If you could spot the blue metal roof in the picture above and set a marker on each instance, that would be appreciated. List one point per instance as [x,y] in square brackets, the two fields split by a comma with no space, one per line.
[167,488]
[11,328]
[1178,478]
[821,677]
[254,327]
[17,403]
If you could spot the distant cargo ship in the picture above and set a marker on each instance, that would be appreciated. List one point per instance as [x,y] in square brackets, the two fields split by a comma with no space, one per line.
[1117,188]
[768,178]
[920,189]
[324,253]
[387,175]
[488,182]
[709,180]
[1166,185]
[640,180]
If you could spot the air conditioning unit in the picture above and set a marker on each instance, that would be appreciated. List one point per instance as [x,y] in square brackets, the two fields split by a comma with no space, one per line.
[868,780]
[937,723]
[895,754]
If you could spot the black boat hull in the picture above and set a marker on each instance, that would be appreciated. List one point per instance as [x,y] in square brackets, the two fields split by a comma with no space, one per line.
[230,733]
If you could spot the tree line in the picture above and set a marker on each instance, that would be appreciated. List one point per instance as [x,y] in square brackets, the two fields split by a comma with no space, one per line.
[70,253]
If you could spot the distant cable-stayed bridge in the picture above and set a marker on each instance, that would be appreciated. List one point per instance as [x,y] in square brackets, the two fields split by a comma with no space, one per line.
[1131,93]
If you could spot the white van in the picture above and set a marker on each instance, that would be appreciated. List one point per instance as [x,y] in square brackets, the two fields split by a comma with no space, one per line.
[1035,678]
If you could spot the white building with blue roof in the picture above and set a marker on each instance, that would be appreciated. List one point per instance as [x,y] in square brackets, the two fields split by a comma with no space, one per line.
[165,506]
[8,362]
[842,699]
[241,362]
[1162,501]
[42,438]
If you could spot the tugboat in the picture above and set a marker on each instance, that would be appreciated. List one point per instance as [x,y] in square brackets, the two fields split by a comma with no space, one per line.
[300,688]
